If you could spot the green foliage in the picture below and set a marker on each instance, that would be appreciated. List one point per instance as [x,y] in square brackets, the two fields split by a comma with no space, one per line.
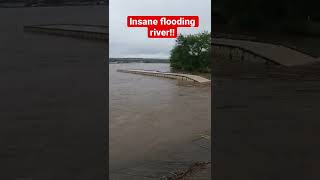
[192,53]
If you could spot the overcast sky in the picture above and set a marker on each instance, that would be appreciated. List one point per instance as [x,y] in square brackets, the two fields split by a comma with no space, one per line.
[134,42]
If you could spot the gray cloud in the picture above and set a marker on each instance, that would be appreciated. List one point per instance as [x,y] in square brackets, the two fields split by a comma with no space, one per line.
[134,42]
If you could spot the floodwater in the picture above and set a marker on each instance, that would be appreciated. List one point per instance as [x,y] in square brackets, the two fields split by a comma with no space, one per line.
[53,101]
[52,96]
[151,116]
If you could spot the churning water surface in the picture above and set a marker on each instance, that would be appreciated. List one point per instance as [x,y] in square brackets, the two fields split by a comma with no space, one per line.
[149,115]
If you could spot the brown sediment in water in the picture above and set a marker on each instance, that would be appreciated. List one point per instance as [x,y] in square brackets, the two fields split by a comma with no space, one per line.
[157,111]
[192,84]
[191,172]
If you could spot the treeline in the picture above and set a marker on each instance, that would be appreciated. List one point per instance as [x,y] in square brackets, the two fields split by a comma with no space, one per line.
[137,60]
[273,15]
[191,53]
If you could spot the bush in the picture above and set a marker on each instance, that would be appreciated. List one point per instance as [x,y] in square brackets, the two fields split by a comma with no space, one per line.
[192,53]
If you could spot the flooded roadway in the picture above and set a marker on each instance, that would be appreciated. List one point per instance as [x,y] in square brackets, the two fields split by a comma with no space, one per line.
[150,117]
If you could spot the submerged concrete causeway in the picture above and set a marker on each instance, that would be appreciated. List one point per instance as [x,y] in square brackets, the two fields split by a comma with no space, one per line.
[274,53]
[95,32]
[187,77]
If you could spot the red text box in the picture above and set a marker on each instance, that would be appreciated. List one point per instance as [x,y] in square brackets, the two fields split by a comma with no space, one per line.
[176,21]
[162,26]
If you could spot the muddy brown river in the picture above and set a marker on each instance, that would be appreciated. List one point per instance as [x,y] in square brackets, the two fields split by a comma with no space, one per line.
[151,116]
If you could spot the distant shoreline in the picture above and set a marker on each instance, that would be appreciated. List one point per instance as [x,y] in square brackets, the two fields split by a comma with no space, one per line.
[137,60]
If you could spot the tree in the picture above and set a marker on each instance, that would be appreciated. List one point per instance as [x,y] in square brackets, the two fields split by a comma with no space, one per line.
[192,53]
